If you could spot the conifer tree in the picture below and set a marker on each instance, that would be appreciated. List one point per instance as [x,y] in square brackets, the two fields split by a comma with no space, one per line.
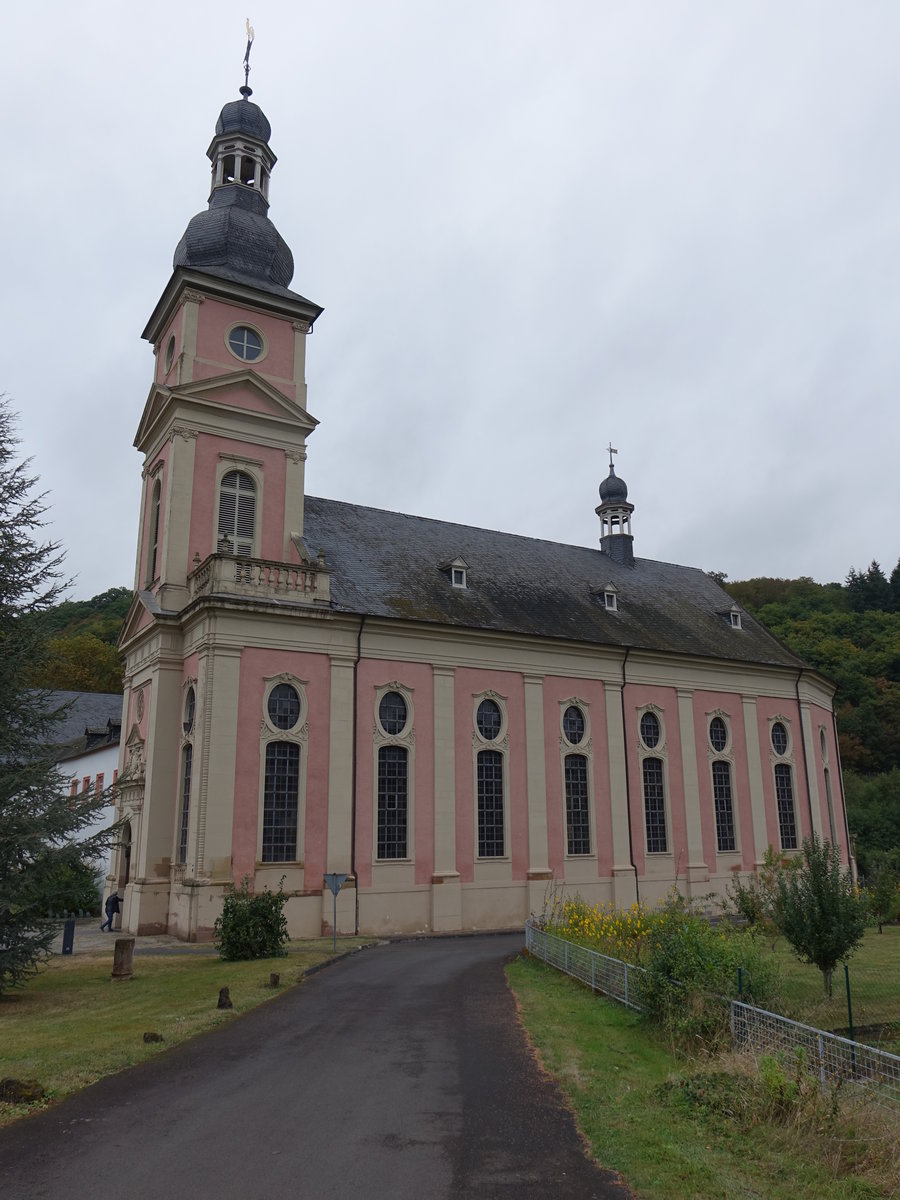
[38,820]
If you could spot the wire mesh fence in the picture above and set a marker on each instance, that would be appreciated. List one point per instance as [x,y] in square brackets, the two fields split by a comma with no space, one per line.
[611,976]
[872,1071]
[834,1060]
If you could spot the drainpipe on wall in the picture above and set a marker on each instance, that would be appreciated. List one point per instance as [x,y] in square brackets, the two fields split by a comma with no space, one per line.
[637,888]
[812,824]
[362,622]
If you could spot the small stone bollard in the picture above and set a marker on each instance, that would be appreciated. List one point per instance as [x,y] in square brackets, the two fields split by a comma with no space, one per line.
[123,962]
[153,1037]
[274,979]
[20,1091]
[224,999]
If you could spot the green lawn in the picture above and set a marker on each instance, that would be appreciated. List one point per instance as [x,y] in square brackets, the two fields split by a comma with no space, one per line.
[874,989]
[71,1025]
[698,1140]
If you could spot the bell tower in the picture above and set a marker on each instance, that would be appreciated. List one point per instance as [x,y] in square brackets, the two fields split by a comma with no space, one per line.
[615,512]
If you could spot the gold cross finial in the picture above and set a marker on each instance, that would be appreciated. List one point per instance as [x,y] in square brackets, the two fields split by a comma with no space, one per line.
[612,451]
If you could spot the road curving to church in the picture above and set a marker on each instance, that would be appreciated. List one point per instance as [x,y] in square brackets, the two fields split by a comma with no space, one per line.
[399,1072]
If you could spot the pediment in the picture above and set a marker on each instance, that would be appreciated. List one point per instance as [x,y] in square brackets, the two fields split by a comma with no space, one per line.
[223,392]
[141,612]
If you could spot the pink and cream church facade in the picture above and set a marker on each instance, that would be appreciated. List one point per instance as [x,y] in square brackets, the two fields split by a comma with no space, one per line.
[452,717]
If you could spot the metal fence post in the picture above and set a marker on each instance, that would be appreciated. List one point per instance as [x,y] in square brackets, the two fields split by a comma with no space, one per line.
[626,985]
[821,1042]
[593,964]
[740,983]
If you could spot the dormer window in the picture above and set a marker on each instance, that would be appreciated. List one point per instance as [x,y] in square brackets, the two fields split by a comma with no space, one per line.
[457,572]
[734,615]
[608,597]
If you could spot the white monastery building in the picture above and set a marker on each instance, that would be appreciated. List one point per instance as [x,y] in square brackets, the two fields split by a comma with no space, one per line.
[450,716]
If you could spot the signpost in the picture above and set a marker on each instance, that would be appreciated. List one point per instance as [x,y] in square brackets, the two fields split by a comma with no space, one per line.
[335,882]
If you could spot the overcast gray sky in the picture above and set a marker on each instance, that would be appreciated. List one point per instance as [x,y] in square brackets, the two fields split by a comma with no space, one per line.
[535,228]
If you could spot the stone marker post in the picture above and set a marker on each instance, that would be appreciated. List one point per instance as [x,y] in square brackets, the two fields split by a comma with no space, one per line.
[123,963]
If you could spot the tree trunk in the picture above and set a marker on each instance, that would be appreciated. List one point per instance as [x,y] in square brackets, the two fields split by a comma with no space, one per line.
[827,975]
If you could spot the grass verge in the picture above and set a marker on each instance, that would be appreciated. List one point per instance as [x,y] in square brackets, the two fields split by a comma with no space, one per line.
[71,1025]
[695,1130]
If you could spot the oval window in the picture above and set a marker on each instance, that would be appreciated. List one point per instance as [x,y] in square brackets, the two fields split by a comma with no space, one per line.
[718,734]
[779,738]
[489,719]
[284,706]
[189,705]
[392,712]
[170,353]
[650,730]
[573,724]
[245,343]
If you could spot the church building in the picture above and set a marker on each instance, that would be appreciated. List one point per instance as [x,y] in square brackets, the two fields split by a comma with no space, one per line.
[455,719]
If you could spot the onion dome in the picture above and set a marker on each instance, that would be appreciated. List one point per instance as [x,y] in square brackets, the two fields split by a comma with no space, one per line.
[234,238]
[613,490]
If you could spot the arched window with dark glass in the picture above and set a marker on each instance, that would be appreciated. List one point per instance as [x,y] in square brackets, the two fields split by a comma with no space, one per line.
[280,802]
[578,820]
[784,798]
[491,839]
[655,806]
[393,816]
[237,514]
[153,545]
[187,762]
[724,807]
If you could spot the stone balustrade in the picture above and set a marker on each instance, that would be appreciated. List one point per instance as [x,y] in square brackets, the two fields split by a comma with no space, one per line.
[232,575]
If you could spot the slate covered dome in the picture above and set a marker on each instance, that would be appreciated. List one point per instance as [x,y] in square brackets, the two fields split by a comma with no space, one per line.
[243,116]
[234,238]
[613,490]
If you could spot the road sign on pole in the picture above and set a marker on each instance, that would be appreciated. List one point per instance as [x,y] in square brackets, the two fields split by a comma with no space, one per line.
[335,882]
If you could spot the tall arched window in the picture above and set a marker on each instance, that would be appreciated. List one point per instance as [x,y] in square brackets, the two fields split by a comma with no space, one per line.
[153,545]
[655,806]
[186,766]
[490,804]
[237,514]
[280,801]
[722,801]
[578,819]
[393,774]
[784,796]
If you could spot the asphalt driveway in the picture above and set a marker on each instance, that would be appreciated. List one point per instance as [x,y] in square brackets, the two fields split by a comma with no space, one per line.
[399,1072]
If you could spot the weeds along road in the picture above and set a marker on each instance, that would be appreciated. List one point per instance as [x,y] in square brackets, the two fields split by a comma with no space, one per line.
[398,1072]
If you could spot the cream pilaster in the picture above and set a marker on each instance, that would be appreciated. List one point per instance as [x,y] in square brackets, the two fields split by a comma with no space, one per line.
[294,467]
[190,319]
[624,889]
[807,750]
[301,332]
[446,890]
[536,786]
[140,566]
[218,682]
[340,792]
[697,870]
[175,550]
[754,772]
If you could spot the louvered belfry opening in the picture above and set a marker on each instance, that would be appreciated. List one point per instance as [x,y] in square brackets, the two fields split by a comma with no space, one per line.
[237,514]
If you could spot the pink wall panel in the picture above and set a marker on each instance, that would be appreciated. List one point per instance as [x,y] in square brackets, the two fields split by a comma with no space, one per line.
[706,704]
[277,365]
[766,708]
[510,685]
[203,504]
[417,677]
[256,667]
[666,699]
[593,695]
[822,722]
[162,478]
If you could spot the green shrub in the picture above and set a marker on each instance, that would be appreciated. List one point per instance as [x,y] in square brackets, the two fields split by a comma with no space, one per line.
[692,973]
[252,925]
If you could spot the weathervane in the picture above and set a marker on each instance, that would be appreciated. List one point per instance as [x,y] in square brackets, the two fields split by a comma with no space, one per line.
[611,450]
[246,89]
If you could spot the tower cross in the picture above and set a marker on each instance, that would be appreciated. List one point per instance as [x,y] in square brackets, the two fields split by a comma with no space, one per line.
[612,451]
[247,54]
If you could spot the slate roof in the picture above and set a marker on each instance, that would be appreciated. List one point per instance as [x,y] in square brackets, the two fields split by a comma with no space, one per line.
[388,564]
[87,720]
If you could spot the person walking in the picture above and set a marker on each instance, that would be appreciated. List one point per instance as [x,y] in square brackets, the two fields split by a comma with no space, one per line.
[112,907]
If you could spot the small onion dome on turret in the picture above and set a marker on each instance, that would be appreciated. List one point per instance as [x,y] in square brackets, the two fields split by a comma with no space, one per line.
[243,116]
[613,490]
[234,238]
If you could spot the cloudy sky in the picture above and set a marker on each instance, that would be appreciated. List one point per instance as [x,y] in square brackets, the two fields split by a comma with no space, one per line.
[534,227]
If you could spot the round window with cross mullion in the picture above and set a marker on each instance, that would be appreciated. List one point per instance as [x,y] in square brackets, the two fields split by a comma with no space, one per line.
[392,713]
[283,706]
[245,343]
[489,720]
